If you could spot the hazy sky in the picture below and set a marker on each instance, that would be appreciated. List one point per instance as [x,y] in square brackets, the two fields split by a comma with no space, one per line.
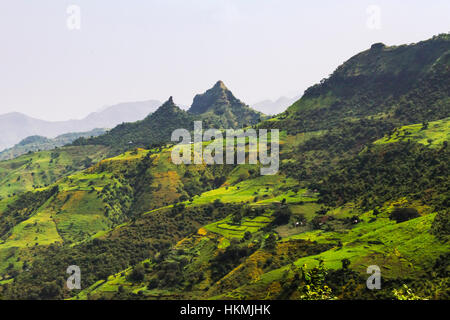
[132,50]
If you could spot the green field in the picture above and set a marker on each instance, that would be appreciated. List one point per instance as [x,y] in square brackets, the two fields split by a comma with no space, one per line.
[433,134]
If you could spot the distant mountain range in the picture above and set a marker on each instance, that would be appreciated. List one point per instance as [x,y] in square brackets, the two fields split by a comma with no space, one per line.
[40,143]
[275,107]
[16,126]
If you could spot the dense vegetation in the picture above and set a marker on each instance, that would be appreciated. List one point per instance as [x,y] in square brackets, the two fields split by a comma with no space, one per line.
[405,84]
[391,172]
[364,180]
[217,108]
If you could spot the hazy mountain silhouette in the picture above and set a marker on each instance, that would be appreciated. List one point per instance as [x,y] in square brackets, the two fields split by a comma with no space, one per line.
[16,126]
[274,107]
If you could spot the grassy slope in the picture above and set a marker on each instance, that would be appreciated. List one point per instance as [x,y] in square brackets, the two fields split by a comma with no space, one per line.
[40,169]
[434,134]
[76,214]
[404,250]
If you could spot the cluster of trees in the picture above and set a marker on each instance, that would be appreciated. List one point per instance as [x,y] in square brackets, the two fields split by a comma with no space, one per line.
[316,156]
[230,258]
[390,172]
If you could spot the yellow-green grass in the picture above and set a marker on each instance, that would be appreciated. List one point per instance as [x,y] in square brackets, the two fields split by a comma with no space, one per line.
[81,216]
[40,229]
[4,203]
[266,189]
[293,141]
[230,230]
[434,135]
[36,170]
[383,242]
[401,250]
[111,285]
[312,103]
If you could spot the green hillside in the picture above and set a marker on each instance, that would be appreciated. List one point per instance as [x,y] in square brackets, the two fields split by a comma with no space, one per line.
[217,108]
[401,84]
[363,180]
[155,129]
[433,133]
[38,170]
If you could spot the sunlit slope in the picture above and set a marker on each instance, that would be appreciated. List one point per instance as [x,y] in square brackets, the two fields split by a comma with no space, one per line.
[434,133]
[41,169]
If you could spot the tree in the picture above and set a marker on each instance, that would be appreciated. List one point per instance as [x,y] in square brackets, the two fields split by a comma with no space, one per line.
[270,242]
[137,274]
[345,263]
[403,214]
[282,215]
[314,280]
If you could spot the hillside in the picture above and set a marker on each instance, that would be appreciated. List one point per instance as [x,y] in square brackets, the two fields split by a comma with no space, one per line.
[38,143]
[401,84]
[155,129]
[217,108]
[41,169]
[363,180]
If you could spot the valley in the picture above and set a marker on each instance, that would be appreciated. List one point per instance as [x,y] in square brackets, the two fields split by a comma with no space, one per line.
[363,181]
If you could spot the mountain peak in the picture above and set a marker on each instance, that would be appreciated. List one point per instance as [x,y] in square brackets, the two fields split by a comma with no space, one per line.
[220,85]
[167,107]
[212,98]
[218,105]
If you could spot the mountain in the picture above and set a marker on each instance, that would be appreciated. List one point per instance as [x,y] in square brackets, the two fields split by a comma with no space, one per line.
[122,112]
[218,107]
[37,143]
[154,129]
[362,184]
[274,107]
[407,83]
[16,126]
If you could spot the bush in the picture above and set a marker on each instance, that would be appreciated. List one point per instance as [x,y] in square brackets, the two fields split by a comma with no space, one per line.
[403,214]
[137,274]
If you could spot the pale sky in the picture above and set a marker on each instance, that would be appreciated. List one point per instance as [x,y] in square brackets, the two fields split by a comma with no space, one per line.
[133,50]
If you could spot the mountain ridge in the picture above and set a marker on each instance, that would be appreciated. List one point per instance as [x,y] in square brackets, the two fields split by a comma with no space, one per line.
[217,108]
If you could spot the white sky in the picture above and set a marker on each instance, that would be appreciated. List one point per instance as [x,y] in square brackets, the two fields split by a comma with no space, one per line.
[132,50]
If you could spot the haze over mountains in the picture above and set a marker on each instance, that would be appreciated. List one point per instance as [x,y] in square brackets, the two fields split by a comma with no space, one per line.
[16,126]
[272,107]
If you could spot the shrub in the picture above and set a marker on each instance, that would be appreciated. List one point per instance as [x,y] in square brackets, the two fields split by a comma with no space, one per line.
[403,214]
